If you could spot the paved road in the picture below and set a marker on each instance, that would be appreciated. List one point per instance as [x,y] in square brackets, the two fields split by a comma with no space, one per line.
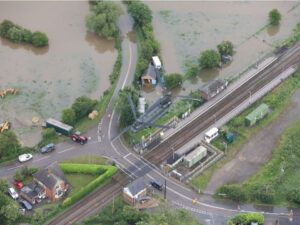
[209,210]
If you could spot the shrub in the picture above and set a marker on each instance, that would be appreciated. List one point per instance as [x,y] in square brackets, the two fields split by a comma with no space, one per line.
[140,12]
[83,106]
[263,194]
[294,195]
[274,17]
[233,192]
[49,133]
[210,59]
[68,116]
[247,219]
[192,72]
[39,39]
[225,48]
[5,26]
[83,168]
[173,80]
[15,34]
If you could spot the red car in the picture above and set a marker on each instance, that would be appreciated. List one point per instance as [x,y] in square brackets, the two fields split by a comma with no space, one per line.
[18,184]
[79,138]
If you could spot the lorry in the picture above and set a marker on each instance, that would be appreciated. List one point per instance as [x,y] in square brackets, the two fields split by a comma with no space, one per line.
[59,127]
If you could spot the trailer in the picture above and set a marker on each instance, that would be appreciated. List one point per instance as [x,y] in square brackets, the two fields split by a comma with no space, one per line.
[59,127]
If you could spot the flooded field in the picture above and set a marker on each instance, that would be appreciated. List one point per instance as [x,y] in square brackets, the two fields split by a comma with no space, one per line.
[185,29]
[76,63]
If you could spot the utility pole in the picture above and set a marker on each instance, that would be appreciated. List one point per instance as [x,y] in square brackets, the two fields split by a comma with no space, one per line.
[113,206]
[165,192]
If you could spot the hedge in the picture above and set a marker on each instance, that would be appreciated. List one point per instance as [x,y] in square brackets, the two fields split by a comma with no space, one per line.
[87,168]
[246,219]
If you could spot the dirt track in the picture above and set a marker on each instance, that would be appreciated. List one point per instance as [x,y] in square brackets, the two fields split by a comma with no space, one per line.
[257,151]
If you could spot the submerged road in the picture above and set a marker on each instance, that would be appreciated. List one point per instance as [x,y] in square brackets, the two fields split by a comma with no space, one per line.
[179,195]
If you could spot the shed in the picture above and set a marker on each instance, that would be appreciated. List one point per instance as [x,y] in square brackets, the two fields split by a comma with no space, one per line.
[135,191]
[149,77]
[195,156]
[257,114]
[213,88]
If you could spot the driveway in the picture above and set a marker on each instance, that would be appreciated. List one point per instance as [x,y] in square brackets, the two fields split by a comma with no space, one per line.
[257,151]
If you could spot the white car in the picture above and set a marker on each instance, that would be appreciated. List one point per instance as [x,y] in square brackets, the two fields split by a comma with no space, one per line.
[13,193]
[25,157]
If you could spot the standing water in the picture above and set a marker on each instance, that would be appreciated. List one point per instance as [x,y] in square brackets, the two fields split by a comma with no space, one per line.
[48,79]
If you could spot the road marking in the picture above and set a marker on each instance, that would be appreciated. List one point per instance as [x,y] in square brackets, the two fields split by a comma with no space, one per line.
[68,149]
[129,64]
[127,155]
[14,167]
[41,158]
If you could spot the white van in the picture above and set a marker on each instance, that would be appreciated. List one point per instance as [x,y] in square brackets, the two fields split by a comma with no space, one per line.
[211,134]
[156,62]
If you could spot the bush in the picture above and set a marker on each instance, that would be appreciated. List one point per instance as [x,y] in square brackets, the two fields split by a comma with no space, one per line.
[18,34]
[173,80]
[294,195]
[68,116]
[210,59]
[83,106]
[246,219]
[48,133]
[274,17]
[140,12]
[10,146]
[110,171]
[192,72]
[39,39]
[264,194]
[225,48]
[233,192]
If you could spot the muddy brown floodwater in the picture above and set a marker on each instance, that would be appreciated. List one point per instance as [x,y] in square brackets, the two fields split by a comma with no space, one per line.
[48,79]
[187,28]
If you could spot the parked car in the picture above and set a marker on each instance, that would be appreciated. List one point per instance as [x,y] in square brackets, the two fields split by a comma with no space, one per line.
[25,205]
[13,193]
[18,184]
[79,138]
[25,157]
[48,148]
[157,185]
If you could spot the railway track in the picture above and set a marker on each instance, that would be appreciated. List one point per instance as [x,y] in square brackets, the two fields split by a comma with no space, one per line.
[223,107]
[90,204]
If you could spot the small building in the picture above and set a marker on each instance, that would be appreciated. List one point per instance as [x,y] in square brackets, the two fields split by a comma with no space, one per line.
[156,62]
[257,114]
[33,193]
[135,191]
[213,88]
[195,156]
[150,76]
[211,134]
[52,180]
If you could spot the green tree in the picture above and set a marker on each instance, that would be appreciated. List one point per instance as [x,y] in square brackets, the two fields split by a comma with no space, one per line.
[15,34]
[192,72]
[68,116]
[3,185]
[83,106]
[123,107]
[196,94]
[210,59]
[225,48]
[10,145]
[5,26]
[39,39]
[8,210]
[140,12]
[294,195]
[274,17]
[37,217]
[103,19]
[173,80]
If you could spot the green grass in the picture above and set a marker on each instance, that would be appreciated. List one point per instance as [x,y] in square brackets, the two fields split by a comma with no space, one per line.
[278,100]
[78,181]
[86,159]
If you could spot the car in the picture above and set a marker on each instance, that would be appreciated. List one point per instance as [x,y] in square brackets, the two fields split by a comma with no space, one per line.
[48,148]
[13,193]
[25,205]
[79,138]
[18,184]
[157,185]
[25,157]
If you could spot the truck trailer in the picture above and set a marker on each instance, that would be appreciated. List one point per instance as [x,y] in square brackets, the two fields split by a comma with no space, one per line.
[59,127]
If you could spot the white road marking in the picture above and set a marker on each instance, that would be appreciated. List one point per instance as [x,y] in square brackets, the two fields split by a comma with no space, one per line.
[14,167]
[127,155]
[68,149]
[41,158]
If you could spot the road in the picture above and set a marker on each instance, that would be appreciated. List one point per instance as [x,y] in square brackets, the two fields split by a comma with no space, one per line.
[179,195]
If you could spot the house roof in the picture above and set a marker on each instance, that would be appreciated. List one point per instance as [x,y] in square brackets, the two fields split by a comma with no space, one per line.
[213,86]
[29,192]
[50,176]
[137,186]
[150,73]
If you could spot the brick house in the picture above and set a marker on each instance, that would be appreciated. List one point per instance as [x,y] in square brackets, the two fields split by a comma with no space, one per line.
[53,181]
[135,191]
[213,88]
